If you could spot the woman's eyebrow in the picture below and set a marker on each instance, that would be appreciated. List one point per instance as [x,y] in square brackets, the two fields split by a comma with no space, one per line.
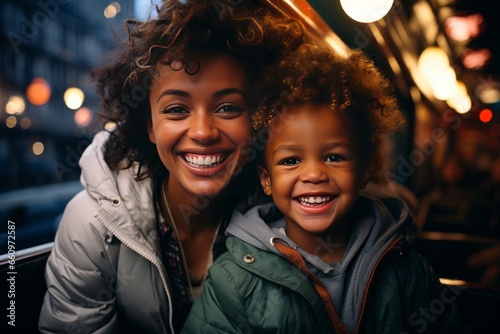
[227,91]
[175,92]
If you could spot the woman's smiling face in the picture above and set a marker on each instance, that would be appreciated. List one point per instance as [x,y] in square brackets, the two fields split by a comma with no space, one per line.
[200,124]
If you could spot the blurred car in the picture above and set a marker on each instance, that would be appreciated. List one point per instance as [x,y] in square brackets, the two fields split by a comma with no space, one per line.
[33,214]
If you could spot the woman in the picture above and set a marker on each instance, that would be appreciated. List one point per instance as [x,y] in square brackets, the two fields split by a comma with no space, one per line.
[132,250]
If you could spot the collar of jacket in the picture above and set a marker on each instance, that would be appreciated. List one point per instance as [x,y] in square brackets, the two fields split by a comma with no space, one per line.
[278,270]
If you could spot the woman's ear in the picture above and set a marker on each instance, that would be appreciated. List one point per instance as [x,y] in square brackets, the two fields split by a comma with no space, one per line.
[151,133]
[265,180]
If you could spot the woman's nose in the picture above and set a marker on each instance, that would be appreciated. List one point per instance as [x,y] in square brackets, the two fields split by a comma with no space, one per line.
[203,128]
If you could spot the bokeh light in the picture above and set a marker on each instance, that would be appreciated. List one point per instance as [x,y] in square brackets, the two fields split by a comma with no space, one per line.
[111,10]
[38,148]
[25,123]
[15,105]
[110,125]
[73,97]
[38,91]
[11,122]
[485,115]
[83,117]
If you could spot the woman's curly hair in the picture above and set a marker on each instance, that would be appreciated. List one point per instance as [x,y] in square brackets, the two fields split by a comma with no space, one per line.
[314,73]
[182,31]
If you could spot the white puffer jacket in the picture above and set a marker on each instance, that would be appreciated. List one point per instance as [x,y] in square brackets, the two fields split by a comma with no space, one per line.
[105,269]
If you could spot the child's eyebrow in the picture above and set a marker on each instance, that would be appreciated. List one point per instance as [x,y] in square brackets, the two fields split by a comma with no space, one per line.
[291,148]
[287,148]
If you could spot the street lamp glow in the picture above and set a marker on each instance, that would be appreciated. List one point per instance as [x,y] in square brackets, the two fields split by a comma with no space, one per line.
[73,97]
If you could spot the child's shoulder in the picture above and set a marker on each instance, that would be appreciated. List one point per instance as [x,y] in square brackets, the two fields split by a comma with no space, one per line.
[390,207]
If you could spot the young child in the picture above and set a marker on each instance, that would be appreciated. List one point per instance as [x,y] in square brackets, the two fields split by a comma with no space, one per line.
[322,258]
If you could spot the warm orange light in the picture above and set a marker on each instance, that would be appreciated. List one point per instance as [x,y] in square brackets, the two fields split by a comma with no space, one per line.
[38,92]
[485,115]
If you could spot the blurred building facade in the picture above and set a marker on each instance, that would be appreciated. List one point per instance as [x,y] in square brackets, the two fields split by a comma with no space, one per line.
[46,47]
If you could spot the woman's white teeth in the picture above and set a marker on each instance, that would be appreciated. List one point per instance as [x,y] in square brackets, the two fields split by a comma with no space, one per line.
[314,200]
[204,161]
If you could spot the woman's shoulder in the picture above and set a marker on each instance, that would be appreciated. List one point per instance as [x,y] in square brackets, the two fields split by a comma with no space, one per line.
[79,229]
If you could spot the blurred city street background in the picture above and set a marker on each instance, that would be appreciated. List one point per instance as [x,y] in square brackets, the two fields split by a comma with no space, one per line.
[48,103]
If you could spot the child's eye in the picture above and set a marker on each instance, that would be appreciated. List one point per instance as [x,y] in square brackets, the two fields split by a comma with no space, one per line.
[289,161]
[335,158]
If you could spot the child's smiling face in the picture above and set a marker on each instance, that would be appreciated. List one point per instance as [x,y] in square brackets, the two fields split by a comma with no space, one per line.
[313,169]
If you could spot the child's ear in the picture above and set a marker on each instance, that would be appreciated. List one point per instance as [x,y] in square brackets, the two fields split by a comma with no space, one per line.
[265,180]
[364,179]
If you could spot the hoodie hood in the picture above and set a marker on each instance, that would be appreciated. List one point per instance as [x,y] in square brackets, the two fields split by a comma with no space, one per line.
[378,222]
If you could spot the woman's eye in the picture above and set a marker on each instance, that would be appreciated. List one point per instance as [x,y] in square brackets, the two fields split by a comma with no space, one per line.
[230,109]
[335,158]
[175,110]
[289,161]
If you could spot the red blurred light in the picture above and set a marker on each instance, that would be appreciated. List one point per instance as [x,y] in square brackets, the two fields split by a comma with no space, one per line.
[463,27]
[485,115]
[476,59]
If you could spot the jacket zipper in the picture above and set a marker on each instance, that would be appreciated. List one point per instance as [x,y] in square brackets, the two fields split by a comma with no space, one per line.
[392,246]
[159,266]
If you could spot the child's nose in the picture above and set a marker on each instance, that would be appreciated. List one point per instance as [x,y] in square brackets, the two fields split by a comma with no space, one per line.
[314,172]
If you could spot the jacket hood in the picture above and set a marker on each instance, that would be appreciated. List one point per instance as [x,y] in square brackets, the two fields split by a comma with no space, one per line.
[126,205]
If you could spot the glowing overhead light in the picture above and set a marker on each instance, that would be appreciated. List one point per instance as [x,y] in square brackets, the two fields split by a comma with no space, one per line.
[366,10]
[444,83]
[73,97]
[460,99]
[38,91]
[434,67]
[432,59]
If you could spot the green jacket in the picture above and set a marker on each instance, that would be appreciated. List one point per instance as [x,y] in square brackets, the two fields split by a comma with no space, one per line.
[249,290]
